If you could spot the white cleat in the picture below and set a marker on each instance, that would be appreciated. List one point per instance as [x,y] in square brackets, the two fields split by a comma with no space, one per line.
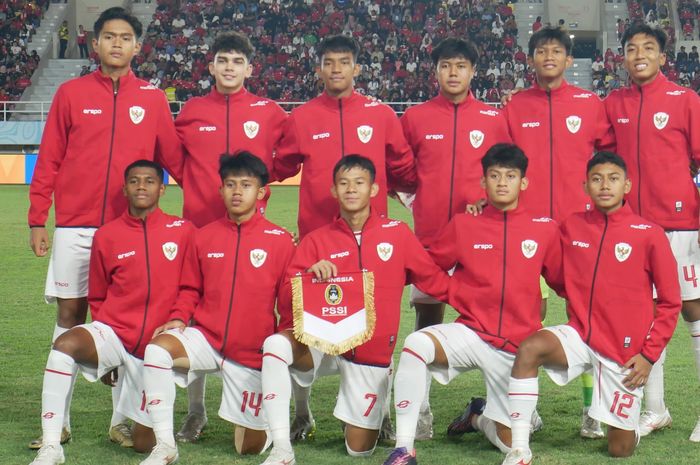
[650,422]
[518,457]
[536,423]
[424,428]
[695,435]
[302,429]
[590,427]
[279,456]
[49,455]
[121,434]
[162,454]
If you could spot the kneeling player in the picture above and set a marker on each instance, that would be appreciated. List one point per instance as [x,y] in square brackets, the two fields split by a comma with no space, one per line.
[229,287]
[358,240]
[135,267]
[612,257]
[499,257]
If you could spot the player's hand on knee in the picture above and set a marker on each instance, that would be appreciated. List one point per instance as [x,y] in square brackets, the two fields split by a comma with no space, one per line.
[639,369]
[111,378]
[39,241]
[476,208]
[172,324]
[324,270]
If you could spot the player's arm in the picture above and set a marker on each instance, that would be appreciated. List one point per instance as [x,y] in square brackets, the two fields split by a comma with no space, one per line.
[692,135]
[604,133]
[191,285]
[553,264]
[169,151]
[400,162]
[288,156]
[422,270]
[443,249]
[284,297]
[99,276]
[278,122]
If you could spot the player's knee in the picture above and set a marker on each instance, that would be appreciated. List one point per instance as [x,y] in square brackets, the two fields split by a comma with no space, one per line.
[143,443]
[157,356]
[278,346]
[67,343]
[360,449]
[621,449]
[249,441]
[531,351]
[422,345]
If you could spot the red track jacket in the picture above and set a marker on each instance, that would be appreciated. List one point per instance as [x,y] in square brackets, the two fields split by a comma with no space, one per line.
[558,131]
[499,257]
[91,135]
[406,262]
[657,128]
[215,124]
[321,132]
[230,285]
[448,142]
[135,268]
[610,264]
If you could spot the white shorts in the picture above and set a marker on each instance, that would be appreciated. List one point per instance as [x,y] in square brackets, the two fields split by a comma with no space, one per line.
[111,354]
[466,351]
[241,397]
[363,388]
[687,252]
[612,404]
[420,297]
[67,277]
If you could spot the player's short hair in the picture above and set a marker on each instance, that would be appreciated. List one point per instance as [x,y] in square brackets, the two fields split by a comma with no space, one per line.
[453,47]
[505,156]
[338,44]
[601,158]
[643,28]
[117,12]
[243,163]
[349,162]
[233,42]
[145,164]
[549,34]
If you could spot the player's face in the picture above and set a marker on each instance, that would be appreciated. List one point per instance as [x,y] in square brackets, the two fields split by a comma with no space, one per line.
[549,60]
[503,186]
[338,71]
[230,70]
[143,188]
[643,58]
[454,75]
[116,45]
[354,189]
[240,193]
[607,185]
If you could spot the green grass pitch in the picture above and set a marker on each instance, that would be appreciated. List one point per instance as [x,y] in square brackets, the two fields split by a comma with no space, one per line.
[27,324]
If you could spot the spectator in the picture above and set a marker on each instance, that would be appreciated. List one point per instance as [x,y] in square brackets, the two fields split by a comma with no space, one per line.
[81,40]
[63,39]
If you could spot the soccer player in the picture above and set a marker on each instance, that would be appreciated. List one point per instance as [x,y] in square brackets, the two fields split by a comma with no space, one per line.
[496,314]
[612,257]
[657,127]
[97,124]
[558,126]
[449,135]
[358,240]
[135,268]
[230,286]
[227,120]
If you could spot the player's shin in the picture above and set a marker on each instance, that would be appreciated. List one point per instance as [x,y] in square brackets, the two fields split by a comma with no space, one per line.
[654,389]
[694,328]
[277,388]
[522,401]
[490,430]
[117,417]
[159,384]
[58,380]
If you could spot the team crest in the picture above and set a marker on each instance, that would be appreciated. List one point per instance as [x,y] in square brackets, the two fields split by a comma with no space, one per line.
[257,257]
[660,120]
[364,132]
[476,138]
[529,248]
[384,250]
[573,124]
[136,114]
[251,129]
[170,250]
[333,294]
[622,251]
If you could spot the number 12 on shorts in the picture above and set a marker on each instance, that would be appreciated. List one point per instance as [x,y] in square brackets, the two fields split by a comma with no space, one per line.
[620,402]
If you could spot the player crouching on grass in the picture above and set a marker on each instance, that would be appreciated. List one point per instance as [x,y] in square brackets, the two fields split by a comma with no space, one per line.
[229,288]
[135,267]
[498,259]
[359,239]
[612,260]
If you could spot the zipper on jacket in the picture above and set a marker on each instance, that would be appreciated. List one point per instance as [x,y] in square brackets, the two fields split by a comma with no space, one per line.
[342,130]
[551,157]
[454,155]
[233,286]
[503,280]
[595,273]
[109,158]
[228,128]
[148,286]
[639,162]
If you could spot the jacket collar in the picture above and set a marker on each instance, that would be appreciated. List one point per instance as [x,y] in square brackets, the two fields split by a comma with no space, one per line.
[554,92]
[659,82]
[106,81]
[154,217]
[334,103]
[444,102]
[618,216]
[218,97]
[493,212]
[254,220]
[372,221]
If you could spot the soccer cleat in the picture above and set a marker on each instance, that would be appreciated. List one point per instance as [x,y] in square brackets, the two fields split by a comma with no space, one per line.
[121,434]
[49,455]
[38,443]
[279,456]
[401,456]
[695,435]
[303,429]
[650,422]
[191,428]
[424,428]
[590,427]
[463,423]
[162,454]
[386,432]
[536,423]
[518,457]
